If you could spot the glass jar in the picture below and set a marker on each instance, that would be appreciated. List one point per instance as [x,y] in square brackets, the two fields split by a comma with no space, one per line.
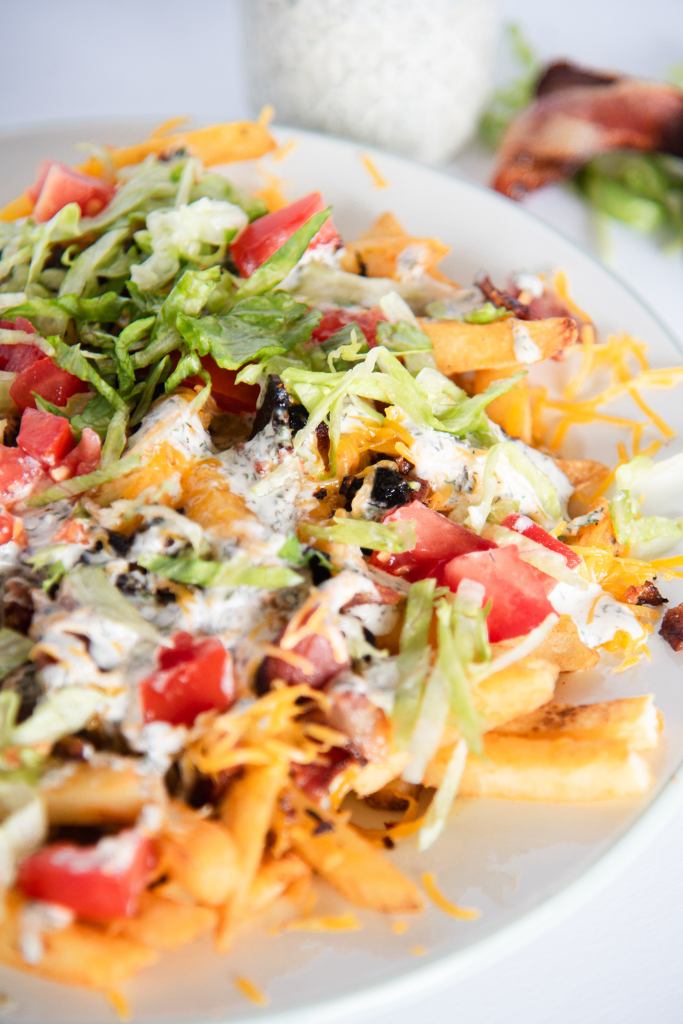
[406,75]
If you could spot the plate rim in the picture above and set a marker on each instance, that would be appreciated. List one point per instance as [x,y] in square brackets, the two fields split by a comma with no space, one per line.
[438,970]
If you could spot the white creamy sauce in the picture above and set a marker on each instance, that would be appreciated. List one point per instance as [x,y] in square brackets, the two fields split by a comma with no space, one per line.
[35,919]
[530,283]
[526,349]
[549,467]
[607,616]
[439,458]
[158,741]
[177,422]
[378,618]
[327,255]
[270,478]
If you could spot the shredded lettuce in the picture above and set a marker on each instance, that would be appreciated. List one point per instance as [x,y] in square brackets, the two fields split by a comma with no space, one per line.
[23,827]
[462,645]
[413,659]
[503,460]
[14,650]
[486,314]
[203,572]
[72,359]
[643,484]
[82,274]
[393,537]
[89,585]
[183,234]
[78,484]
[61,713]
[443,799]
[256,328]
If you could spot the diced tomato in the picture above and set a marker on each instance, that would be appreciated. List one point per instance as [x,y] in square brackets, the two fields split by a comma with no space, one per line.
[15,358]
[84,458]
[45,436]
[7,523]
[334,319]
[317,650]
[528,528]
[100,882]
[228,395]
[19,474]
[46,379]
[260,239]
[58,185]
[20,324]
[194,676]
[518,592]
[438,540]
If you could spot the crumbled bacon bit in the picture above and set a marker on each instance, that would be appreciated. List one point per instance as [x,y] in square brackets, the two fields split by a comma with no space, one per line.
[646,593]
[671,629]
[502,299]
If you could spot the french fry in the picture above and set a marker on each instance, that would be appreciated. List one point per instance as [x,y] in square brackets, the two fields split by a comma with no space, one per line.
[512,411]
[274,878]
[209,501]
[247,812]
[583,472]
[200,855]
[163,924]
[562,647]
[556,770]
[633,721]
[354,867]
[101,794]
[520,688]
[80,954]
[600,534]
[460,347]
[376,252]
[375,775]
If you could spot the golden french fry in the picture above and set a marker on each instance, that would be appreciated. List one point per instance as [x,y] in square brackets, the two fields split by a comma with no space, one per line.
[209,501]
[583,472]
[101,794]
[356,869]
[630,720]
[200,855]
[274,878]
[559,770]
[376,775]
[80,954]
[562,647]
[247,812]
[522,687]
[600,534]
[512,411]
[460,347]
[376,253]
[396,795]
[163,924]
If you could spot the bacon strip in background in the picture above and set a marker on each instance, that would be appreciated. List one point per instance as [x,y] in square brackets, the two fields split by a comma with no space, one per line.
[579,114]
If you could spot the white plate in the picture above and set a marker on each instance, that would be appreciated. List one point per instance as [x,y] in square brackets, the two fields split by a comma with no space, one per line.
[522,865]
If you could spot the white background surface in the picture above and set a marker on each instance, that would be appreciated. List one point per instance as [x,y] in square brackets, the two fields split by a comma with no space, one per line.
[618,960]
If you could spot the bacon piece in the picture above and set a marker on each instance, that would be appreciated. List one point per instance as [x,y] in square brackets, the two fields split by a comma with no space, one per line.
[315,779]
[580,114]
[503,299]
[672,627]
[646,593]
[366,724]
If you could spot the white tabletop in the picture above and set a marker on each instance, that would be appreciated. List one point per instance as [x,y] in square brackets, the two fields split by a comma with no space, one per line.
[617,960]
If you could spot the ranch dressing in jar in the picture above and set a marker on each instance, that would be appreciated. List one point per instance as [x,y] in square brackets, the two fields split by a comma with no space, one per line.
[404,75]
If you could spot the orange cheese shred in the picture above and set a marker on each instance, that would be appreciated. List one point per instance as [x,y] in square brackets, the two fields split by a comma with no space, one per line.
[443,903]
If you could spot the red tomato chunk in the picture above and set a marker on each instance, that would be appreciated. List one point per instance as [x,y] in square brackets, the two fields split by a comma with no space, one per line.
[45,436]
[518,592]
[229,395]
[334,320]
[194,675]
[260,239]
[19,473]
[57,185]
[100,882]
[528,528]
[438,540]
[46,379]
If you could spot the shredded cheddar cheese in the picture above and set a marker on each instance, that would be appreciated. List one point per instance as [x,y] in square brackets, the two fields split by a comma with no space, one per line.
[324,923]
[251,991]
[443,903]
[378,179]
